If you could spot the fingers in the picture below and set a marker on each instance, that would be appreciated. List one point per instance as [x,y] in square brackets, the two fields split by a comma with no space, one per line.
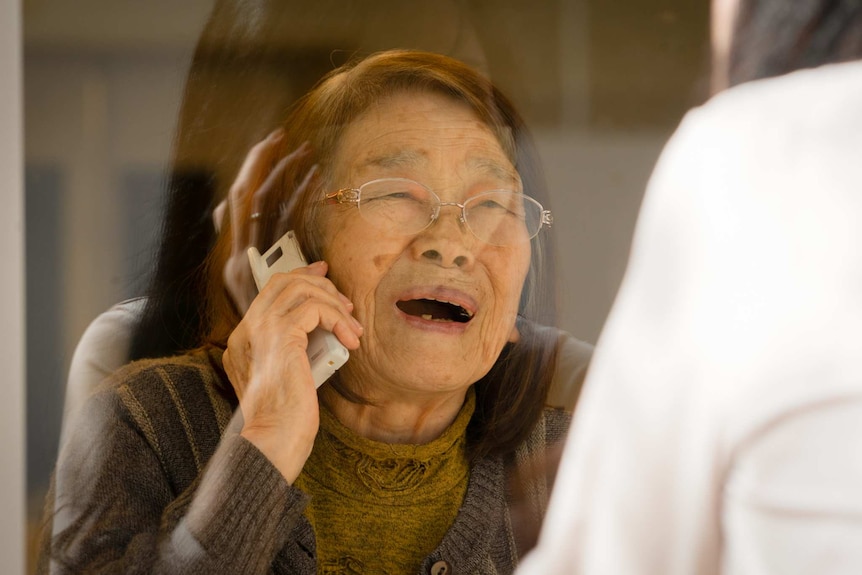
[248,197]
[287,209]
[303,300]
[271,184]
[239,282]
[253,172]
[218,215]
[267,364]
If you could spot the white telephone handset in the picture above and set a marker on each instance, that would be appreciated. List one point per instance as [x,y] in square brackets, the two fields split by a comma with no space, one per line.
[325,352]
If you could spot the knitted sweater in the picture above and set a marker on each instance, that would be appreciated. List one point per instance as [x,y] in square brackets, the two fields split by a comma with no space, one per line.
[156,479]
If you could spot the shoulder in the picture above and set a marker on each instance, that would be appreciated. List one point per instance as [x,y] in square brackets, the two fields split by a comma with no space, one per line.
[748,158]
[550,430]
[187,389]
[794,92]
[102,349]
[104,345]
[145,375]
[122,316]
[779,110]
[556,423]
[573,359]
[743,249]
[171,410]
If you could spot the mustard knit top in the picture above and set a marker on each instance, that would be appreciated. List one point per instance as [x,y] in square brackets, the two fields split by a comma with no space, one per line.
[382,508]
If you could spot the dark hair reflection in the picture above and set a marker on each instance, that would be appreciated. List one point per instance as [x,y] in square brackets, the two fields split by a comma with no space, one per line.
[775,37]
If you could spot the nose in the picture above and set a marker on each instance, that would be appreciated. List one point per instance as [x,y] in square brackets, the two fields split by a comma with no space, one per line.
[447,241]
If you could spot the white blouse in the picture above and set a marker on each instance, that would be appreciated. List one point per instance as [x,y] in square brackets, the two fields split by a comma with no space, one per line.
[720,427]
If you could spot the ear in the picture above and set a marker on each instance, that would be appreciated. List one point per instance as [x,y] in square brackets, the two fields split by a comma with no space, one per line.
[515,335]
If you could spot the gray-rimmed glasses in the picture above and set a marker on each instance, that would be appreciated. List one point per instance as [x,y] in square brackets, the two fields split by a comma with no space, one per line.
[405,207]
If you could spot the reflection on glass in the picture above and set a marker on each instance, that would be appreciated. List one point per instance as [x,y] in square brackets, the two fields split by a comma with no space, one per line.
[109,160]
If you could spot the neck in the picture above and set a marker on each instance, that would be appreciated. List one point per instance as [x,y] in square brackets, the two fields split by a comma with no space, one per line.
[401,420]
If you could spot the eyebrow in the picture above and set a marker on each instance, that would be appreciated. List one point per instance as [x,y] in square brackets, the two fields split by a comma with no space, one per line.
[494,168]
[394,159]
[412,158]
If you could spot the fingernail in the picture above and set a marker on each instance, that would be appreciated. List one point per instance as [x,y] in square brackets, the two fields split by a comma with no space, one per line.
[276,135]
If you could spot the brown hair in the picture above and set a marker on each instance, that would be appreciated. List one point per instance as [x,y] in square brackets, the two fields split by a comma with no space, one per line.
[511,396]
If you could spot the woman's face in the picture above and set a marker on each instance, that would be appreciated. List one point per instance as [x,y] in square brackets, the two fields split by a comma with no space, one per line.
[393,280]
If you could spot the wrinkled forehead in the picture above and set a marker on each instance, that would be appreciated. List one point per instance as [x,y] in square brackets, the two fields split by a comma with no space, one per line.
[407,158]
[419,132]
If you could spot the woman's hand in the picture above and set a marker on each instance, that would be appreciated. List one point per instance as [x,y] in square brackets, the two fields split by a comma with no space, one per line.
[267,364]
[265,359]
[257,179]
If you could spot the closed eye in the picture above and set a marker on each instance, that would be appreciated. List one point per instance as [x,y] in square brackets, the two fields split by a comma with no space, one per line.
[396,195]
[501,208]
[492,205]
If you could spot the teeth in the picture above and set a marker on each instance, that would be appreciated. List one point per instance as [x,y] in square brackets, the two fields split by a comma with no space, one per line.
[429,317]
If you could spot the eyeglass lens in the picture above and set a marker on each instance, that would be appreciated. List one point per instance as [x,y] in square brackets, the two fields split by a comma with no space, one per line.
[406,207]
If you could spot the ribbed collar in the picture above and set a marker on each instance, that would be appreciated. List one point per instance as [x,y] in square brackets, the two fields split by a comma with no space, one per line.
[362,468]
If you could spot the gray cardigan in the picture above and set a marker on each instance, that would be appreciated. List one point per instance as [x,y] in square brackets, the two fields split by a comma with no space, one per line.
[156,479]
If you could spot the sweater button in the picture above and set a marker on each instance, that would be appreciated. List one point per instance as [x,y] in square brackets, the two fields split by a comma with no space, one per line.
[441,568]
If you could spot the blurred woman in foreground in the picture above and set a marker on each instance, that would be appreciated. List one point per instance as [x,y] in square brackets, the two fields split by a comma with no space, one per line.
[718,430]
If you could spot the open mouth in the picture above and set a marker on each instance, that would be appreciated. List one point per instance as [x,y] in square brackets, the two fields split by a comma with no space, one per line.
[435,310]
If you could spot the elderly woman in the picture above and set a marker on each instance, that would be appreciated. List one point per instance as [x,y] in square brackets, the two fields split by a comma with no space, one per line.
[416,193]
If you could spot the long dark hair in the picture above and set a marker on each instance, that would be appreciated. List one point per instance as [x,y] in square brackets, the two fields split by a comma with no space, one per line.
[775,37]
[232,99]
[511,396]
